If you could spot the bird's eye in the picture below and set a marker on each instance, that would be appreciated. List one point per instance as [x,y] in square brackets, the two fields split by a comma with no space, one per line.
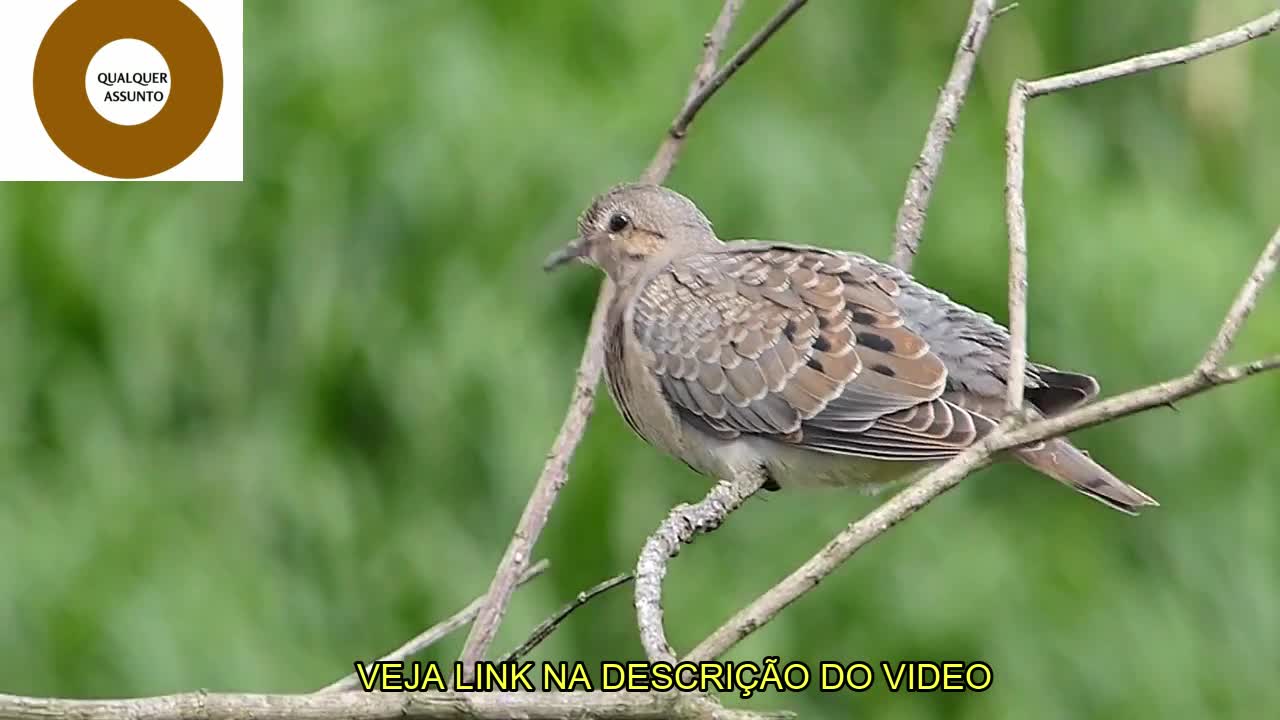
[618,222]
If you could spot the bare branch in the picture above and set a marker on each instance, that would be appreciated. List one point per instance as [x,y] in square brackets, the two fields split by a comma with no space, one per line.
[1015,206]
[700,94]
[1016,219]
[1264,25]
[665,159]
[433,634]
[920,182]
[1243,305]
[682,524]
[553,478]
[1132,402]
[383,706]
[840,549]
[548,626]
[555,471]
[901,506]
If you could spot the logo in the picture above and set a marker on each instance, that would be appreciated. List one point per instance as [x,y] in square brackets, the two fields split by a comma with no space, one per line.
[133,89]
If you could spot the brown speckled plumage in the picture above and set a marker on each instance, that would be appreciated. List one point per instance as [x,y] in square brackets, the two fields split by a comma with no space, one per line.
[806,361]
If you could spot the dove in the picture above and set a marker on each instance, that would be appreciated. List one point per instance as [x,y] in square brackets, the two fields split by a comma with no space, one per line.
[813,366]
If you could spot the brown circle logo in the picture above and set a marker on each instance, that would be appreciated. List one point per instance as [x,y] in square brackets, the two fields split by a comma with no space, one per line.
[128,151]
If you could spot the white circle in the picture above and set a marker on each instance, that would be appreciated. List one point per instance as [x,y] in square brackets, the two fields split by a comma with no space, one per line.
[127,82]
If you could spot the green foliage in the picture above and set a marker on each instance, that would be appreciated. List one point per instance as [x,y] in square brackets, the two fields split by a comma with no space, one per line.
[252,432]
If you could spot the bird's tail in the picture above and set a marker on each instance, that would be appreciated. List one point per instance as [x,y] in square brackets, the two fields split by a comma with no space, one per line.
[1067,464]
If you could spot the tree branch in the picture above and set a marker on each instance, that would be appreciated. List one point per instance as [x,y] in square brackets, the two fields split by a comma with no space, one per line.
[383,706]
[1253,30]
[1158,395]
[700,90]
[433,634]
[681,526]
[1016,218]
[700,93]
[1015,207]
[555,471]
[901,506]
[1243,305]
[550,482]
[548,626]
[915,201]
[840,549]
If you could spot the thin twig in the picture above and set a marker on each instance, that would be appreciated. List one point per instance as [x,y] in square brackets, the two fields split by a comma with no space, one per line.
[712,44]
[920,182]
[1135,401]
[1243,305]
[548,626]
[384,706]
[555,471]
[740,58]
[682,524]
[433,634]
[1007,8]
[1253,30]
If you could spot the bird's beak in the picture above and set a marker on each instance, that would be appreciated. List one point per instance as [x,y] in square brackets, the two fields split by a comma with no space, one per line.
[572,250]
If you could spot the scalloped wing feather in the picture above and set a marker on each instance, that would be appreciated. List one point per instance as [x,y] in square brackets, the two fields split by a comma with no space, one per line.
[801,345]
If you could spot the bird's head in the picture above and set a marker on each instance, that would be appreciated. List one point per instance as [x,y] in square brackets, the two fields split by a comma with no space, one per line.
[630,224]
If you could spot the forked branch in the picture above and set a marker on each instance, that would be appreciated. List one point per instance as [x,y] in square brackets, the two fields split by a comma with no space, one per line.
[1015,152]
[548,626]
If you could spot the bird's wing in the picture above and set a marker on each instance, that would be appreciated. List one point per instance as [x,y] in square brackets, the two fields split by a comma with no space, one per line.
[801,345]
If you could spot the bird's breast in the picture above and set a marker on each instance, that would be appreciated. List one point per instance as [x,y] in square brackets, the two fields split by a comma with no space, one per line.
[637,394]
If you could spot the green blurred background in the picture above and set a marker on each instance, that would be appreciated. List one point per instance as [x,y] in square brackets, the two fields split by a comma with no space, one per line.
[252,432]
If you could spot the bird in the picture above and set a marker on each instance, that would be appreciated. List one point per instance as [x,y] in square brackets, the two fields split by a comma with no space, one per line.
[808,365]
